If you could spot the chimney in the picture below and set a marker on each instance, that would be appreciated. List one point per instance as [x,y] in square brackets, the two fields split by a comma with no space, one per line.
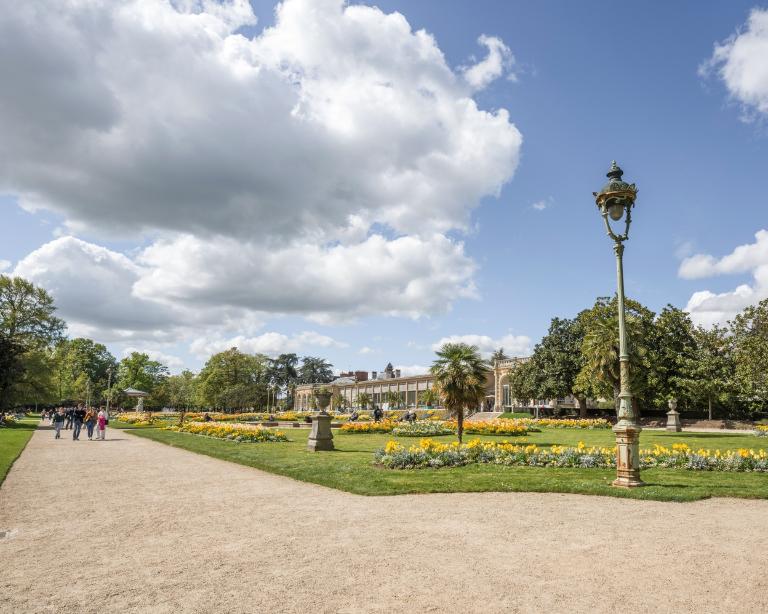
[397,372]
[373,374]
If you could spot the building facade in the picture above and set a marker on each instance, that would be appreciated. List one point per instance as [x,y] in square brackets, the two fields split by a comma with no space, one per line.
[350,386]
[380,385]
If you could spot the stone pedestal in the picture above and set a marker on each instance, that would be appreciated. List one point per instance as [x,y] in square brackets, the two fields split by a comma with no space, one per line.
[673,418]
[627,454]
[320,438]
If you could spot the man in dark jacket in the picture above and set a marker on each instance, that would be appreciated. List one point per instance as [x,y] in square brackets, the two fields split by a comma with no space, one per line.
[78,415]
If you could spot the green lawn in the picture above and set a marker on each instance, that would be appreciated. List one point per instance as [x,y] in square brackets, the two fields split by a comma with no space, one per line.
[12,442]
[350,467]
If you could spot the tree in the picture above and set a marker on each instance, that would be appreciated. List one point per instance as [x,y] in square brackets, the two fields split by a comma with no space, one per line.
[599,375]
[749,333]
[364,400]
[522,381]
[460,378]
[430,398]
[498,355]
[707,374]
[81,368]
[672,346]
[557,360]
[182,389]
[315,370]
[138,371]
[393,399]
[27,328]
[233,380]
[339,401]
[283,374]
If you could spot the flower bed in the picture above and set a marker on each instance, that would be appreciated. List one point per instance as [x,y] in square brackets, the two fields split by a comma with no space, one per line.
[430,453]
[500,426]
[560,423]
[423,428]
[761,430]
[7,420]
[385,426]
[234,432]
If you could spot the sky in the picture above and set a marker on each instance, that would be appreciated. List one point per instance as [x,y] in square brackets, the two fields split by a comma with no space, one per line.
[365,181]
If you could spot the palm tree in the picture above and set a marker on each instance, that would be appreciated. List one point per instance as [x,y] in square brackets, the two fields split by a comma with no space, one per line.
[393,399]
[498,355]
[364,400]
[460,376]
[430,397]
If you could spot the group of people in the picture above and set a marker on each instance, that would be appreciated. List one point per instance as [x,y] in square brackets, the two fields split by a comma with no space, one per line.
[378,415]
[74,418]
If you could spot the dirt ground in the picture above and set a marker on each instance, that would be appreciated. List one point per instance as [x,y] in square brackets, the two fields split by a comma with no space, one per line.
[129,525]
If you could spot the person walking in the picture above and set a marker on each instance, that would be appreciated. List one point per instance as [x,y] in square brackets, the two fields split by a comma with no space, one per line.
[78,415]
[58,422]
[90,422]
[101,424]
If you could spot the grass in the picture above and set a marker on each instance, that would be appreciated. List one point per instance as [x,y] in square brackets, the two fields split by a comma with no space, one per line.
[350,468]
[516,414]
[13,440]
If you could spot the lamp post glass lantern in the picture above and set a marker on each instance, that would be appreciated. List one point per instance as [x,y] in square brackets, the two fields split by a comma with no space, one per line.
[615,202]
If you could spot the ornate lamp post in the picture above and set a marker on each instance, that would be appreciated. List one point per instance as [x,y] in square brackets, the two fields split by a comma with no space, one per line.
[615,202]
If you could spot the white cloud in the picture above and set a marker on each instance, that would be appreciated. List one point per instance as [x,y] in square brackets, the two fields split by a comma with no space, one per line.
[174,363]
[366,350]
[542,204]
[407,276]
[408,370]
[707,308]
[316,168]
[148,114]
[514,345]
[270,343]
[741,62]
[498,61]
[5,265]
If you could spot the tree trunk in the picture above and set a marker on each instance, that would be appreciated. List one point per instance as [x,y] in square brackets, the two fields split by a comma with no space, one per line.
[709,401]
[460,423]
[582,401]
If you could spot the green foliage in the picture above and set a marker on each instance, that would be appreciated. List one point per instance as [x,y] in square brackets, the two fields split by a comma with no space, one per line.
[523,382]
[707,373]
[181,390]
[749,336]
[81,369]
[394,399]
[557,359]
[599,375]
[364,400]
[314,370]
[672,348]
[28,328]
[138,371]
[232,380]
[460,377]
[430,398]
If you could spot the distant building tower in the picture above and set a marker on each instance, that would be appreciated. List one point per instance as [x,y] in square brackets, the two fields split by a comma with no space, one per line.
[389,371]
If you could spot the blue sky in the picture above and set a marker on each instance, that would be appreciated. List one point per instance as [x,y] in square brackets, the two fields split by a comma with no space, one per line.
[589,82]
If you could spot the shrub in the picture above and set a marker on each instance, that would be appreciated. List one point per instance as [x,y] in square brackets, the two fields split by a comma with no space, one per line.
[423,428]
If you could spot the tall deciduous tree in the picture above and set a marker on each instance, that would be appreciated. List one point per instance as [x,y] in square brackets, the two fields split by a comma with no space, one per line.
[749,331]
[284,375]
[232,380]
[27,328]
[707,374]
[523,384]
[81,369]
[671,349]
[557,360]
[460,378]
[139,371]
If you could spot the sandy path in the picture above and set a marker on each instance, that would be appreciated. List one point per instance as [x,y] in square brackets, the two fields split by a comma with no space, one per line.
[130,525]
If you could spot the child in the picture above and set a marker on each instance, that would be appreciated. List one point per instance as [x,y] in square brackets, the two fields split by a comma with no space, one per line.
[102,425]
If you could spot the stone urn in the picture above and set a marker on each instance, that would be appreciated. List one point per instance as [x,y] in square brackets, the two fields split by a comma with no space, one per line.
[320,437]
[673,417]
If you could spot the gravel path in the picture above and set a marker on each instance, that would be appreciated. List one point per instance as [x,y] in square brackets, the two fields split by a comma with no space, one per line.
[129,525]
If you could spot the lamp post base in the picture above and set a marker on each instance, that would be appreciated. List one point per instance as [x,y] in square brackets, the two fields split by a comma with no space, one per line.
[627,455]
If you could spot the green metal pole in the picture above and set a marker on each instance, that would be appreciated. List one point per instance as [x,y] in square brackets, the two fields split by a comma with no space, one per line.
[626,407]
